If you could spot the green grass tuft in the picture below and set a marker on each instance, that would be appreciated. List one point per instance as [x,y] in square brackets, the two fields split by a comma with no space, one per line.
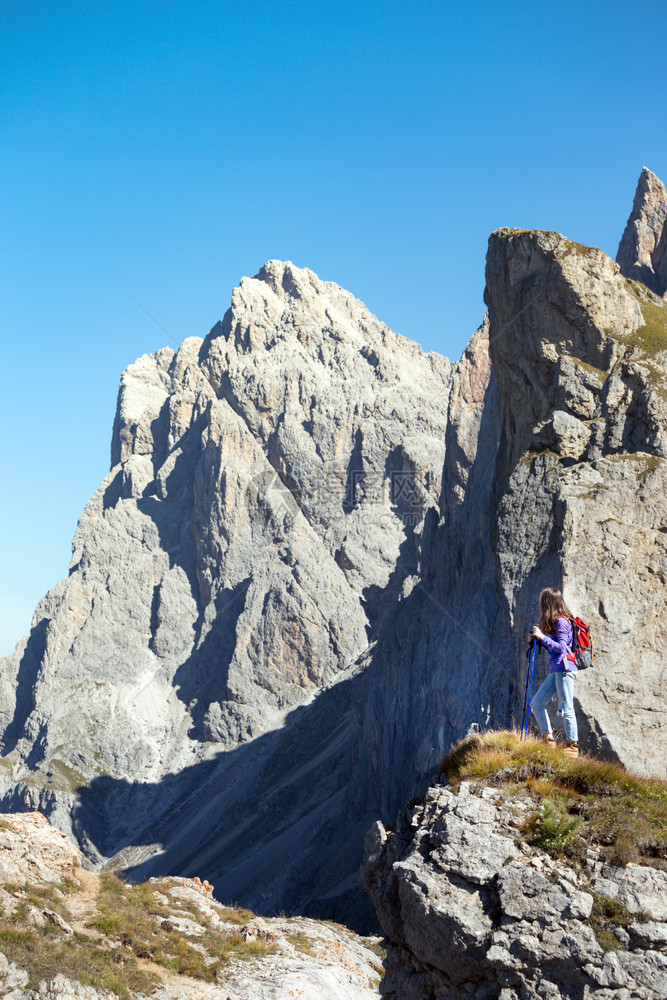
[608,914]
[552,829]
[302,943]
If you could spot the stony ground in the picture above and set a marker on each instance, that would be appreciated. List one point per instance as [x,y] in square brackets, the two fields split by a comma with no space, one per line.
[72,933]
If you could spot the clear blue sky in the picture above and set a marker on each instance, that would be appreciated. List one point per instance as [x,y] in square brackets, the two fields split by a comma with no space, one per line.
[165,149]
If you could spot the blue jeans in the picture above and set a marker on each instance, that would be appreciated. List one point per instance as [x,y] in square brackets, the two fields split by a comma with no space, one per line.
[561,684]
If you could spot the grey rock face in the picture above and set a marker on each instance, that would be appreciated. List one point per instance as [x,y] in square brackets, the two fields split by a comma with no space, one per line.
[11,977]
[565,345]
[465,920]
[642,252]
[592,515]
[262,515]
[565,434]
[315,561]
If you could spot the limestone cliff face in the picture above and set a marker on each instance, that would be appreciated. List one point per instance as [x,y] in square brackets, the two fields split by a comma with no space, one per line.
[580,356]
[315,561]
[560,482]
[262,515]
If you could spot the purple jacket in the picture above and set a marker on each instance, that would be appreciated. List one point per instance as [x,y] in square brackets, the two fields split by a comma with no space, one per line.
[558,646]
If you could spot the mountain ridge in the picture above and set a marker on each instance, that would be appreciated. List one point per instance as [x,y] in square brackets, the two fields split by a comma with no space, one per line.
[312,568]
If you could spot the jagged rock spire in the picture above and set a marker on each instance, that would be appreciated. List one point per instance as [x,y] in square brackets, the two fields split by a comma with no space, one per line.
[642,252]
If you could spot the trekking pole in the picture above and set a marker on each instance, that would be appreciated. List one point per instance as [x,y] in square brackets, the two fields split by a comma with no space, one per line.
[525,695]
[525,718]
[530,686]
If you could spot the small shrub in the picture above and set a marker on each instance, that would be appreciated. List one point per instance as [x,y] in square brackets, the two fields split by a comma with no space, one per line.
[552,830]
[607,914]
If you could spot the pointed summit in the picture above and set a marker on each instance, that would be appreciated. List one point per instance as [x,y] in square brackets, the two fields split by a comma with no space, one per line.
[642,252]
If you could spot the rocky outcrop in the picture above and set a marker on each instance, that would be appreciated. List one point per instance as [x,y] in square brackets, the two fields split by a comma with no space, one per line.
[642,252]
[468,911]
[572,345]
[66,932]
[315,561]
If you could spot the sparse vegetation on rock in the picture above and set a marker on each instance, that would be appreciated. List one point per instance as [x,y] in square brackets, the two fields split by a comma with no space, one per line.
[513,878]
[578,804]
[65,931]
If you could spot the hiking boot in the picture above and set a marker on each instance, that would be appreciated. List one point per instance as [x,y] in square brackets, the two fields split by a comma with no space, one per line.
[548,738]
[571,749]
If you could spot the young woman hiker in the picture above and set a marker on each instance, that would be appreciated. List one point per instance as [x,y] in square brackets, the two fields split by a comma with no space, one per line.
[555,634]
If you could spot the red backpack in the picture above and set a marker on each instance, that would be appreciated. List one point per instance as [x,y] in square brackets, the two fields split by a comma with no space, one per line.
[583,649]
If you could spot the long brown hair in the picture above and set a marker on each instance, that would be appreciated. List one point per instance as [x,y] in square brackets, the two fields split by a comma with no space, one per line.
[552,606]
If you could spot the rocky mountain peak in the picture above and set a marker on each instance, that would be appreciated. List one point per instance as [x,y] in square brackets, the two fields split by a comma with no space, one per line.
[642,252]
[286,279]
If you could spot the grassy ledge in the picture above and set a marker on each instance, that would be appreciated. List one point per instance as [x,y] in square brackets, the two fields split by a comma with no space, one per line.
[131,915]
[600,374]
[652,337]
[579,803]
[570,247]
[645,464]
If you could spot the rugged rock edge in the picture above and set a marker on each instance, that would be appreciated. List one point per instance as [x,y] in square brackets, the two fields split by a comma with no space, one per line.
[471,910]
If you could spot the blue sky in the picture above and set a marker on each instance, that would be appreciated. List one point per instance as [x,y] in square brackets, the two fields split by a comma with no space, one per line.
[164,149]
